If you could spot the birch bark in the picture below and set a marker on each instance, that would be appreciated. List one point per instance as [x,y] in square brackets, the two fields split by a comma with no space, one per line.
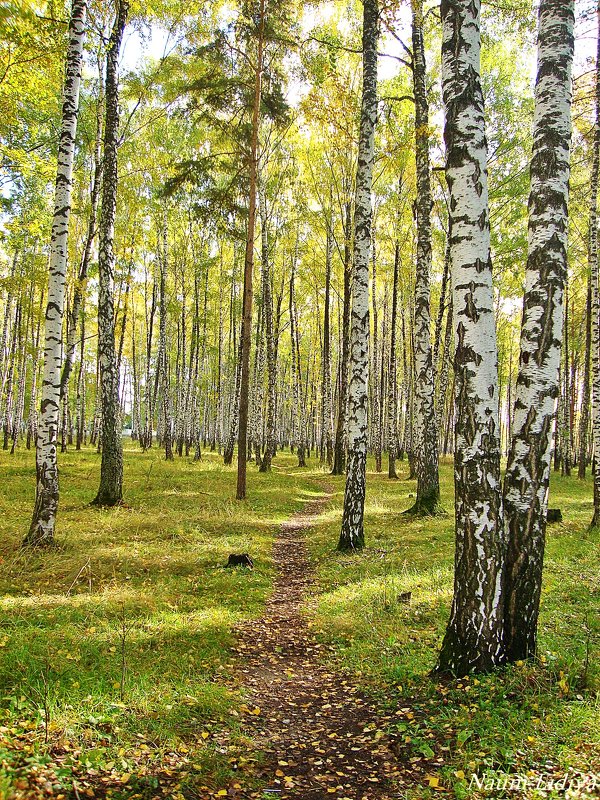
[426,444]
[474,636]
[267,292]
[352,532]
[110,491]
[528,470]
[595,278]
[249,267]
[41,531]
[393,378]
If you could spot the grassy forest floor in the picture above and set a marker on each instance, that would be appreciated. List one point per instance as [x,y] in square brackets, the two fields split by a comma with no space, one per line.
[119,669]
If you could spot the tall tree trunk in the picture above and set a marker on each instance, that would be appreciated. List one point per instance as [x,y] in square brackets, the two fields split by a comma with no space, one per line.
[149,395]
[564,419]
[80,400]
[87,249]
[595,278]
[4,341]
[352,535]
[474,636]
[41,531]
[299,419]
[437,339]
[444,375]
[234,421]
[267,292]
[326,454]
[375,383]
[528,470]
[392,377]
[426,450]
[110,491]
[584,420]
[339,455]
[32,421]
[10,374]
[163,356]
[249,267]
[20,404]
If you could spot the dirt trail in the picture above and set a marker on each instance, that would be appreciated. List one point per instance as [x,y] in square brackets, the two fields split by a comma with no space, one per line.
[320,734]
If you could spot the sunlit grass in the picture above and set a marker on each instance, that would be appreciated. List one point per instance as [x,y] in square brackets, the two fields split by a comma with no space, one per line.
[520,718]
[126,625]
[123,630]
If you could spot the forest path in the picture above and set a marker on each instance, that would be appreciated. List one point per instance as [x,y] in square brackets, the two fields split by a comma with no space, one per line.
[320,734]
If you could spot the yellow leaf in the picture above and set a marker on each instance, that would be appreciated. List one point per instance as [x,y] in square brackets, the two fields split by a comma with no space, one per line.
[222,793]
[459,774]
[433,781]
[125,778]
[205,734]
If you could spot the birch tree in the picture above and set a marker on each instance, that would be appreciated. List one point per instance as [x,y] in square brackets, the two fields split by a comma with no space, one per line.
[474,636]
[249,265]
[352,532]
[41,531]
[267,297]
[426,450]
[528,470]
[595,280]
[110,491]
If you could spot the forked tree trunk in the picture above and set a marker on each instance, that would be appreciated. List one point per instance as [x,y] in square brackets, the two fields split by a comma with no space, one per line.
[528,470]
[426,444]
[110,491]
[41,531]
[352,535]
[474,636]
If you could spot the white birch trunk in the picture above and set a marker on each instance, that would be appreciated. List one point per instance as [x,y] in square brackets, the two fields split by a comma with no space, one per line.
[41,531]
[352,532]
[528,470]
[474,639]
[595,279]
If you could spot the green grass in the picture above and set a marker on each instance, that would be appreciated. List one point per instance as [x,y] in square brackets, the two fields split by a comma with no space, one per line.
[145,584]
[122,631]
[517,720]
